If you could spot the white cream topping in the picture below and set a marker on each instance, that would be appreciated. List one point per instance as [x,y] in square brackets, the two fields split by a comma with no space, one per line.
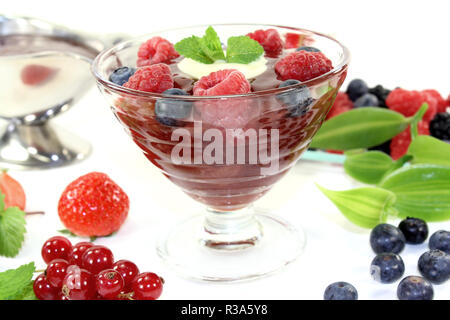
[197,69]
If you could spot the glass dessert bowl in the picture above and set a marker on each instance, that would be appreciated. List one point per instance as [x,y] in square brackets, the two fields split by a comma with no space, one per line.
[223,148]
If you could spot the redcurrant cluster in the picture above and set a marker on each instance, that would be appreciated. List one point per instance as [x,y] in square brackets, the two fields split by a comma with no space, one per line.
[88,272]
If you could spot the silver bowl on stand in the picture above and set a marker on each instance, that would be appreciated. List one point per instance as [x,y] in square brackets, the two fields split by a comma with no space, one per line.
[45,69]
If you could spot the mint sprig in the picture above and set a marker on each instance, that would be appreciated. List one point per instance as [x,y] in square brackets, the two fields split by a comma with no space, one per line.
[12,229]
[16,284]
[208,49]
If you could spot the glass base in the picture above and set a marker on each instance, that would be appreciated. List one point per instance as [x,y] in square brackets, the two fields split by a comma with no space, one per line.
[276,244]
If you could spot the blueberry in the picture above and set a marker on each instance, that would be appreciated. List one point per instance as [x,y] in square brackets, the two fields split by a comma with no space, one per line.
[297,99]
[415,288]
[387,238]
[356,88]
[366,100]
[434,265]
[121,75]
[415,230]
[387,267]
[306,48]
[340,291]
[170,111]
[440,240]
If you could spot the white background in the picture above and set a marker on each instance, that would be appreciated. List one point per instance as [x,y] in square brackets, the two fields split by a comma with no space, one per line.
[395,43]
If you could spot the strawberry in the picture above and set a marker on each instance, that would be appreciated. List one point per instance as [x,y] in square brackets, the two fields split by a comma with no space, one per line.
[13,191]
[93,205]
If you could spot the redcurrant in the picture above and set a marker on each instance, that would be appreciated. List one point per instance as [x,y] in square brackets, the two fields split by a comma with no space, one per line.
[109,283]
[43,290]
[97,258]
[128,270]
[77,252]
[56,248]
[56,271]
[147,286]
[79,284]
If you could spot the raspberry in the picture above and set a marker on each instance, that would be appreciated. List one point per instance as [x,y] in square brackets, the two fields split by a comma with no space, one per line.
[408,102]
[270,40]
[156,50]
[303,65]
[292,40]
[400,143]
[223,82]
[441,103]
[230,113]
[93,205]
[340,105]
[155,78]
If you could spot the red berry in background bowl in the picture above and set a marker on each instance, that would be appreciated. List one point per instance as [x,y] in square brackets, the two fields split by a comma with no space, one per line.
[77,252]
[147,286]
[57,247]
[97,258]
[56,272]
[79,284]
[43,290]
[13,191]
[128,270]
[109,283]
[93,205]
[35,74]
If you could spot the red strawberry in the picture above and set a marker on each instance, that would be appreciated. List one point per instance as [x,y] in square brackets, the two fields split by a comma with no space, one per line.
[155,78]
[270,40]
[13,191]
[35,74]
[340,105]
[292,40]
[93,205]
[400,143]
[303,65]
[156,50]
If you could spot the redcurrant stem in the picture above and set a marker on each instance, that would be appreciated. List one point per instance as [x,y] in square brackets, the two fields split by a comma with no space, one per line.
[40,271]
[30,213]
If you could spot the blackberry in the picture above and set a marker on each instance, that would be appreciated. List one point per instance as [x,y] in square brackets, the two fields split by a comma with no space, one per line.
[381,93]
[440,126]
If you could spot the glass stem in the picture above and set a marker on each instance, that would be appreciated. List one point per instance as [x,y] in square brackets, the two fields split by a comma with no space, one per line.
[230,231]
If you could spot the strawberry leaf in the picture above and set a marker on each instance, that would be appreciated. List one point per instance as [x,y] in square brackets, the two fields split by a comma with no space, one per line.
[12,229]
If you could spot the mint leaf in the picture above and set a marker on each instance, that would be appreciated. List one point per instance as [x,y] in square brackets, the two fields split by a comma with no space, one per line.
[243,49]
[211,45]
[14,282]
[192,48]
[12,229]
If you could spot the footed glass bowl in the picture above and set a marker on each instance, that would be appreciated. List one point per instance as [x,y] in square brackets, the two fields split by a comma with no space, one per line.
[226,165]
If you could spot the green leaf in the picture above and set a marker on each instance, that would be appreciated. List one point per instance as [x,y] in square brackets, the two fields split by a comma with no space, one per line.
[192,48]
[27,293]
[422,190]
[368,167]
[12,231]
[360,128]
[13,282]
[365,207]
[211,45]
[416,119]
[243,49]
[426,149]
